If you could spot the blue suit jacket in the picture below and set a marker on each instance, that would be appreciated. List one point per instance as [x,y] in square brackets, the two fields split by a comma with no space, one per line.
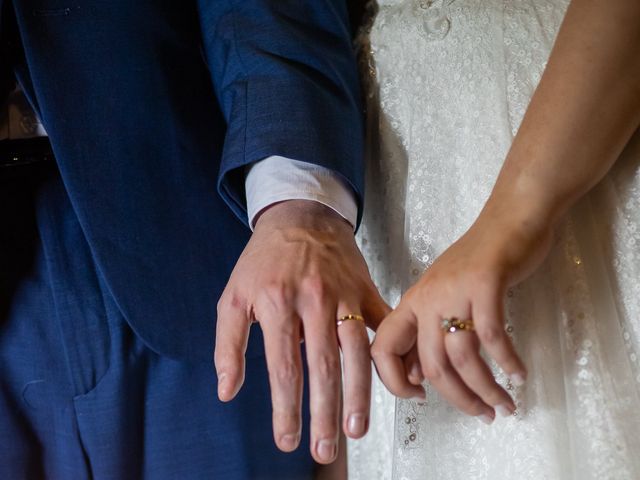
[154,108]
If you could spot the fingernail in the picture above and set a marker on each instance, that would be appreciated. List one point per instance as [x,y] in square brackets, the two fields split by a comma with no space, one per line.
[355,424]
[517,379]
[326,450]
[504,410]
[486,419]
[290,441]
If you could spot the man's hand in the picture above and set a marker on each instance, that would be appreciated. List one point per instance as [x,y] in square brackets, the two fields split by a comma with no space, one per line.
[301,271]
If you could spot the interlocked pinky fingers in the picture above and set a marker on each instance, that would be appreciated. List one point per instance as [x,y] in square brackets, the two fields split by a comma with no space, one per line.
[394,339]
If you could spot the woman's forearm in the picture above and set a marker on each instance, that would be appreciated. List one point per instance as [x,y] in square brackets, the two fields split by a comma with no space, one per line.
[581,116]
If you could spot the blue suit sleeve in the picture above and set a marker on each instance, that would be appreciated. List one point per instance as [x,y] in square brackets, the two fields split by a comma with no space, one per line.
[286,78]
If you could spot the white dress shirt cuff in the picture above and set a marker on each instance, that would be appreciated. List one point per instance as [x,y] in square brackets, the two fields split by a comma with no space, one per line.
[277,179]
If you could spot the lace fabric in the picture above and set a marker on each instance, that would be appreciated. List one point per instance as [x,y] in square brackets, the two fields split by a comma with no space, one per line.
[448,82]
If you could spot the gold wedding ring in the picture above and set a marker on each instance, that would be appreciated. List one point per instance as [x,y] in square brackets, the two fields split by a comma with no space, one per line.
[453,324]
[351,316]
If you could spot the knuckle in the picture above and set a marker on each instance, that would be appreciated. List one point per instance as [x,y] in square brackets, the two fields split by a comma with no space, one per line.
[402,390]
[230,369]
[479,275]
[230,301]
[460,358]
[219,363]
[221,358]
[324,429]
[227,358]
[474,407]
[315,285]
[509,363]
[357,400]
[420,292]
[377,352]
[328,367]
[494,397]
[287,373]
[277,295]
[435,371]
[325,422]
[398,389]
[285,418]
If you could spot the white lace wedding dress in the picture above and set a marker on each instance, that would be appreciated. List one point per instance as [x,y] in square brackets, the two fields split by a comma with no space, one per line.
[448,82]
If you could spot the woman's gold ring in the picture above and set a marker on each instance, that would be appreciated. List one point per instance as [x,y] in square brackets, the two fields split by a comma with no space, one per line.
[453,324]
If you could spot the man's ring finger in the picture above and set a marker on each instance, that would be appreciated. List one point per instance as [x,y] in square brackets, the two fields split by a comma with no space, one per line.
[351,316]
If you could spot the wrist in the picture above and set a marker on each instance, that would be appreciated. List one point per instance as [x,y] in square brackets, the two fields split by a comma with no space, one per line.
[524,203]
[531,194]
[514,238]
[302,214]
[514,218]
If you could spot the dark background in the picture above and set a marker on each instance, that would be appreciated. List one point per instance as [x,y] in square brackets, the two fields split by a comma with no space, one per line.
[356,11]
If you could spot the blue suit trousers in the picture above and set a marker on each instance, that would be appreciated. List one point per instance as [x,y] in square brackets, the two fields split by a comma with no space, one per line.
[81,396]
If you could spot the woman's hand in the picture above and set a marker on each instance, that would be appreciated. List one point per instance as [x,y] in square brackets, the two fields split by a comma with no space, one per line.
[468,282]
[581,116]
